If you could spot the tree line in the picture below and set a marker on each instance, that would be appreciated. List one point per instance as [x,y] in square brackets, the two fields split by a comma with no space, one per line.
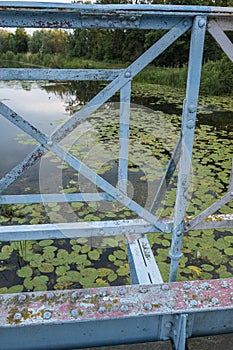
[57,48]
[102,45]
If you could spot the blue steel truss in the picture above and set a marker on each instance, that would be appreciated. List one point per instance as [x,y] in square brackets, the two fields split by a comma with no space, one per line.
[169,321]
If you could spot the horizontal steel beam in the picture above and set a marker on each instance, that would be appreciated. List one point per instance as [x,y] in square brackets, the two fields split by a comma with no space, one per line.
[58,74]
[115,315]
[210,222]
[76,229]
[50,15]
[67,16]
[58,198]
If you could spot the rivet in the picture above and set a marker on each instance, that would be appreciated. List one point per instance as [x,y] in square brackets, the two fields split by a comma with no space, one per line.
[103,293]
[120,196]
[175,332]
[17,316]
[193,303]
[122,291]
[214,301]
[192,108]
[186,23]
[47,315]
[131,231]
[110,23]
[205,285]
[143,290]
[171,304]
[147,306]
[168,324]
[165,287]
[133,18]
[201,23]
[102,309]
[127,74]
[49,295]
[124,308]
[190,124]
[49,142]
[104,18]
[87,297]
[101,232]
[74,295]
[179,233]
[186,286]
[225,284]
[74,313]
[22,297]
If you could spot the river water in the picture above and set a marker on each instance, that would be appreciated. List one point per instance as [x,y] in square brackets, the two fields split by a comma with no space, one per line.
[153,133]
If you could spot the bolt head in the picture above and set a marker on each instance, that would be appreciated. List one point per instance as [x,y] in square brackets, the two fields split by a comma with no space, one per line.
[124,308]
[133,18]
[74,313]
[201,23]
[186,286]
[143,290]
[122,291]
[127,74]
[17,316]
[205,285]
[214,301]
[225,284]
[74,295]
[22,298]
[193,303]
[165,287]
[49,295]
[147,306]
[47,315]
[168,324]
[103,293]
[50,143]
[102,309]
[192,108]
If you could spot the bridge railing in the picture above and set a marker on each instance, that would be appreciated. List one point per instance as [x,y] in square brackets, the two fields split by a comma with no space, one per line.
[177,310]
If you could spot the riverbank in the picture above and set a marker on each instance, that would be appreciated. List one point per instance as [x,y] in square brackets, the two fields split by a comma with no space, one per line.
[217,77]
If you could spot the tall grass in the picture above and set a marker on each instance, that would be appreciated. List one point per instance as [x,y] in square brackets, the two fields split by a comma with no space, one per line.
[217,76]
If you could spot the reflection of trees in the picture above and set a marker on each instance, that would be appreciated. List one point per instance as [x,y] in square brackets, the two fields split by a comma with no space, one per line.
[74,93]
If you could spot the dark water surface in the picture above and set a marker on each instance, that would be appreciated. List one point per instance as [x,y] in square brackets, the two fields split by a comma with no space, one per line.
[81,263]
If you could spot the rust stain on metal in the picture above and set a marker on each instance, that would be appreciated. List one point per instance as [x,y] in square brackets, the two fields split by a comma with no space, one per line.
[111,302]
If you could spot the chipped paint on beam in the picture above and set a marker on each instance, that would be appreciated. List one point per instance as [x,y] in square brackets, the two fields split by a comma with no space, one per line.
[127,313]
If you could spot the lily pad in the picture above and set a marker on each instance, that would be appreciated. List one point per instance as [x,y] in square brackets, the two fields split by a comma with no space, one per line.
[18,288]
[46,267]
[120,254]
[94,255]
[228,251]
[46,242]
[25,271]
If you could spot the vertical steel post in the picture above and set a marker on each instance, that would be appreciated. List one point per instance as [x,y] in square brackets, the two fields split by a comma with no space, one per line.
[124,137]
[187,135]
